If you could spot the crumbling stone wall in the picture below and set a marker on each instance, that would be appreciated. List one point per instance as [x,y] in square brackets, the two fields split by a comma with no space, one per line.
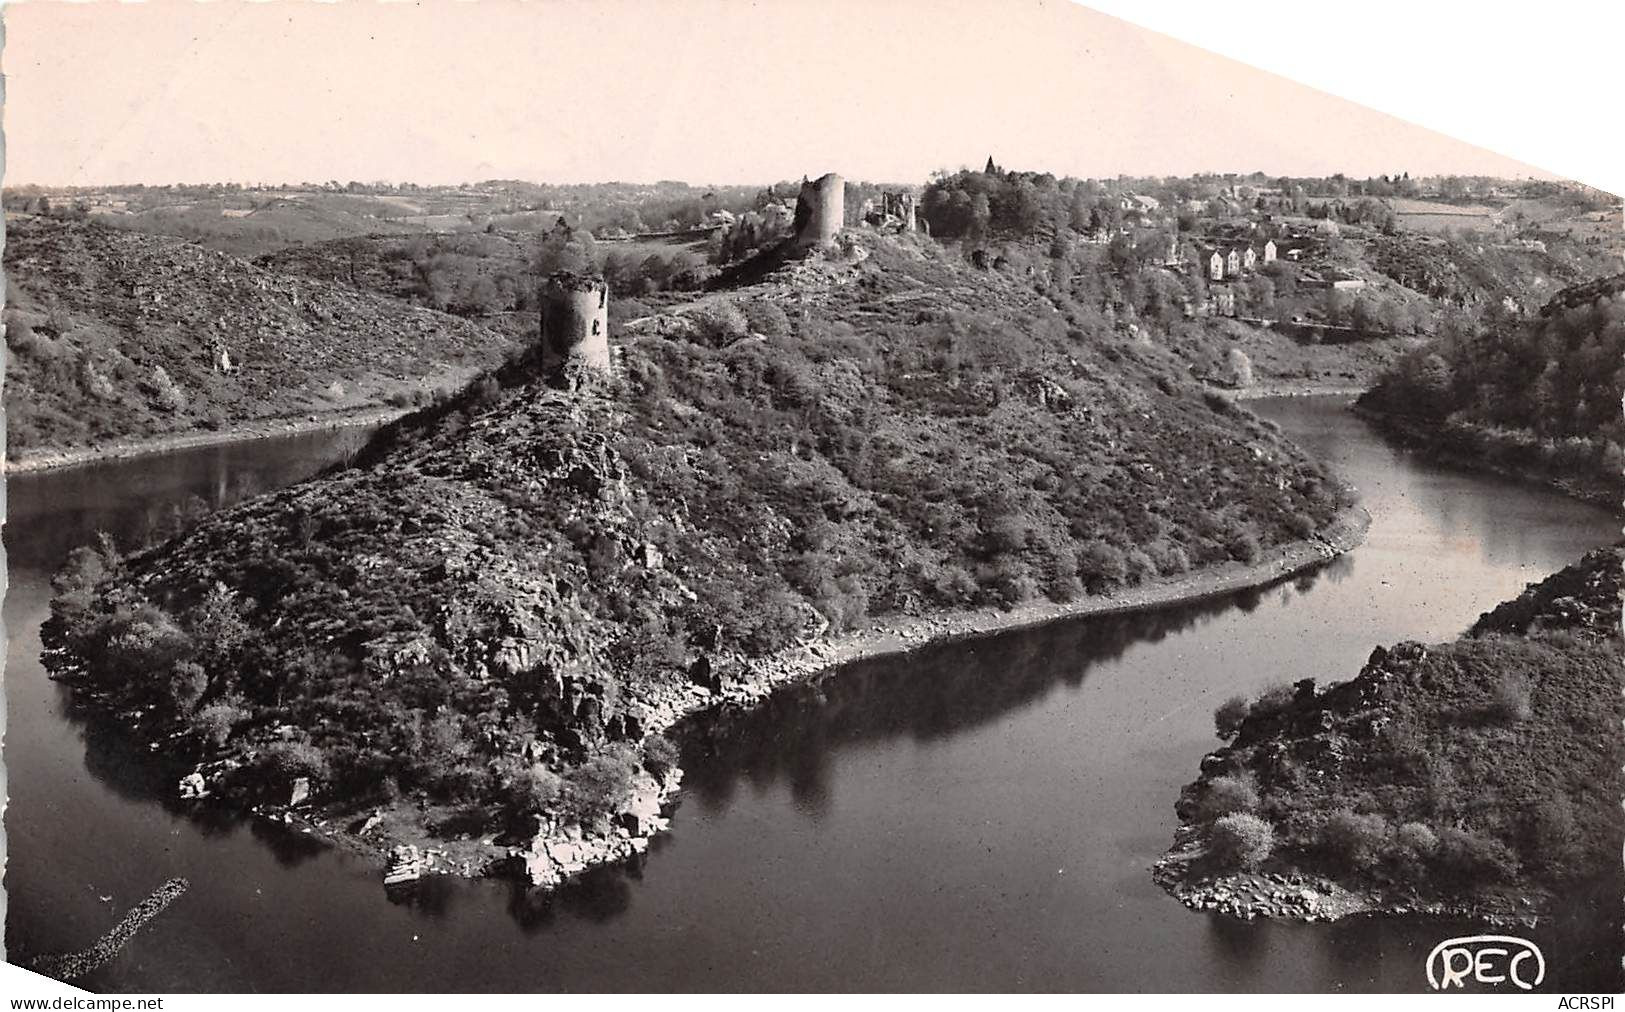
[820,210]
[575,324]
[901,206]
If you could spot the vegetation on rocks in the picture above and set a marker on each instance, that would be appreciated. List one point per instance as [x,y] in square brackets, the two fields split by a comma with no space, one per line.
[113,335]
[511,589]
[1477,773]
[1537,396]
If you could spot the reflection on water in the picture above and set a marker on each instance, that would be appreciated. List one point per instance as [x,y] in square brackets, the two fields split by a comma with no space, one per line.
[972,816]
[933,693]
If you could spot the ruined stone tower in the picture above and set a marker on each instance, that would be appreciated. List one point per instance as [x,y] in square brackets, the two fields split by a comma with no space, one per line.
[903,207]
[575,324]
[820,210]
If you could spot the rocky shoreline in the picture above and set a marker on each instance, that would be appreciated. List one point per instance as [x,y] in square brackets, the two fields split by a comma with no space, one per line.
[1289,894]
[560,852]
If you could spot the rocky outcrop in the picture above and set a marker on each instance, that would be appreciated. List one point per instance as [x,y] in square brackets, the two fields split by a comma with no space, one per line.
[1358,786]
[232,341]
[560,852]
[510,593]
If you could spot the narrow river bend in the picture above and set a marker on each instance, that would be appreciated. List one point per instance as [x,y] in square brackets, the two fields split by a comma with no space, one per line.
[978,816]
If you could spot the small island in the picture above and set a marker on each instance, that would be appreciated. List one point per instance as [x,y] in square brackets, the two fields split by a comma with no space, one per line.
[1477,777]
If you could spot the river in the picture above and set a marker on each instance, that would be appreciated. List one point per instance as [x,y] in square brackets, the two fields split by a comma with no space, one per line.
[976,816]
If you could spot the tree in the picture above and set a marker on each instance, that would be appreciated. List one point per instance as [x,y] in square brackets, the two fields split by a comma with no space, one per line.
[1241,367]
[1241,840]
[566,249]
[1356,840]
[981,216]
[1228,718]
[1228,794]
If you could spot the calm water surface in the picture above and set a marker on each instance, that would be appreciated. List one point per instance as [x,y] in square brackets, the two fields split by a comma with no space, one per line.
[978,816]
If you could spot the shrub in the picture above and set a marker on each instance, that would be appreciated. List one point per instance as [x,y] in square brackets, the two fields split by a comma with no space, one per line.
[165,391]
[215,722]
[1241,840]
[1171,560]
[94,382]
[143,639]
[766,317]
[1241,367]
[599,786]
[718,324]
[289,760]
[1510,697]
[530,789]
[1227,795]
[659,755]
[1140,566]
[1243,546]
[1547,837]
[1416,839]
[1101,565]
[187,683]
[1473,858]
[1228,717]
[1414,845]
[1300,525]
[1276,699]
[1356,841]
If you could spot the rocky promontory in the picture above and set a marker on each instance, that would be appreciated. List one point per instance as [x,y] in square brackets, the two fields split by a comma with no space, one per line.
[470,640]
[1477,777]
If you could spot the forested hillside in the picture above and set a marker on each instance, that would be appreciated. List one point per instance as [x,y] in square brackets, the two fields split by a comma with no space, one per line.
[1540,396]
[1480,774]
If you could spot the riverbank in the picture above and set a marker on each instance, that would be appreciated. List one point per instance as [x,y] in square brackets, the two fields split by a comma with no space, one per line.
[560,853]
[1424,437]
[33,461]
[1293,388]
[1346,532]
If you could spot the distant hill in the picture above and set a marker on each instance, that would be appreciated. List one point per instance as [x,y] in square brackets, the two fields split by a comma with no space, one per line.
[117,336]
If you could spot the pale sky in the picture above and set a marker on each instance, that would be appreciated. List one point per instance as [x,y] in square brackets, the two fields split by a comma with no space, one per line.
[710,91]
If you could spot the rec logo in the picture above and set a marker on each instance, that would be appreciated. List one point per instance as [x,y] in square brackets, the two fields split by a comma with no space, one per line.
[1486,959]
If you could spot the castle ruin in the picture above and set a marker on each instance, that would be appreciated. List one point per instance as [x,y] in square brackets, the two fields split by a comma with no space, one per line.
[820,210]
[893,210]
[575,325]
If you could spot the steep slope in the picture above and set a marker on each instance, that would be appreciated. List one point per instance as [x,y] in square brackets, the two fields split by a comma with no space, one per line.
[509,591]
[117,336]
[1479,776]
